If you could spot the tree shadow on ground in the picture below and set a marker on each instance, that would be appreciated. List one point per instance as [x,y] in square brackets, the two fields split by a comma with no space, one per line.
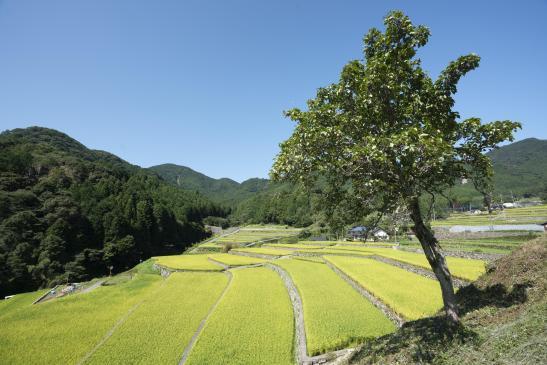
[471,297]
[421,341]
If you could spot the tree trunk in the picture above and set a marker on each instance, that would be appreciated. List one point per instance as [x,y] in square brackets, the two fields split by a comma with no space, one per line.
[432,251]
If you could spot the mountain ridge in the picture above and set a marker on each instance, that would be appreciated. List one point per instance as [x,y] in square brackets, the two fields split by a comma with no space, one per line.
[519,168]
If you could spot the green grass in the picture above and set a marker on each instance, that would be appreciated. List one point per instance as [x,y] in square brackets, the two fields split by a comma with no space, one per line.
[18,301]
[159,329]
[198,262]
[410,295]
[63,330]
[264,251]
[236,260]
[253,323]
[467,269]
[335,315]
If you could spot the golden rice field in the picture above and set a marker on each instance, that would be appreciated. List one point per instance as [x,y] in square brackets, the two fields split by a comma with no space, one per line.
[218,306]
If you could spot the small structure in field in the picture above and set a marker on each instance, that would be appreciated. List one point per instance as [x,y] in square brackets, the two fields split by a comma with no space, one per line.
[360,233]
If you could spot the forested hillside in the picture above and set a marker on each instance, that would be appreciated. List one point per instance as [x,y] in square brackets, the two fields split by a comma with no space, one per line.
[254,200]
[67,213]
[222,190]
[521,167]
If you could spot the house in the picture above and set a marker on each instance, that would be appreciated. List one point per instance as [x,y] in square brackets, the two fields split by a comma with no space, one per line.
[360,233]
[357,233]
[508,205]
[380,234]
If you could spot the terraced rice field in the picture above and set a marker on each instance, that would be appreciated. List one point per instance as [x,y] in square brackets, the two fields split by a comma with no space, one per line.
[188,262]
[294,246]
[64,330]
[410,295]
[466,269]
[497,245]
[335,315]
[157,331]
[236,260]
[316,243]
[248,235]
[528,215]
[332,251]
[264,251]
[143,318]
[253,323]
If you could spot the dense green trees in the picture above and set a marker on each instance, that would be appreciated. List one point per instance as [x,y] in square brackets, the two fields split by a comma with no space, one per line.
[279,204]
[67,212]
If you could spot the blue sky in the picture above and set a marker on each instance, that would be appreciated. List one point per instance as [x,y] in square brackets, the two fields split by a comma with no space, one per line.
[204,83]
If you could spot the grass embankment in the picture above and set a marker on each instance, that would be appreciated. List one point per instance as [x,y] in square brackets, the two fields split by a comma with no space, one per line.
[335,315]
[410,295]
[158,330]
[253,323]
[503,320]
[64,330]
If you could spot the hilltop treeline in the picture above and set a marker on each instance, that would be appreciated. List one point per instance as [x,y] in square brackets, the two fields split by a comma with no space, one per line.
[278,204]
[68,213]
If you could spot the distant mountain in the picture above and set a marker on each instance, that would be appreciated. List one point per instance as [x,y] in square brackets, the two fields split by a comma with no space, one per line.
[252,201]
[67,212]
[520,170]
[520,167]
[221,190]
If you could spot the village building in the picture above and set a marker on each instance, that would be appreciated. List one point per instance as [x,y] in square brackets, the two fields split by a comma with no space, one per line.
[360,233]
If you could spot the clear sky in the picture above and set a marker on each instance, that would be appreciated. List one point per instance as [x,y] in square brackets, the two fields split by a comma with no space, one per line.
[204,83]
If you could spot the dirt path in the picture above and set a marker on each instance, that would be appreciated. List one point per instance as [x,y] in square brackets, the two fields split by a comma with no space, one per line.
[398,320]
[195,337]
[94,286]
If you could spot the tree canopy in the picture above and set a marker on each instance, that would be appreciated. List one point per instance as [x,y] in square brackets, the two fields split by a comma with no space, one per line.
[386,132]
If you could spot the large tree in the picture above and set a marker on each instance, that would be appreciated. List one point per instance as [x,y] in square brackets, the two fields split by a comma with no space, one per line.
[386,134]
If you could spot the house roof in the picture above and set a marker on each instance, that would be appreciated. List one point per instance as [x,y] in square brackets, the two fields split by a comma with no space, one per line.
[359,229]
